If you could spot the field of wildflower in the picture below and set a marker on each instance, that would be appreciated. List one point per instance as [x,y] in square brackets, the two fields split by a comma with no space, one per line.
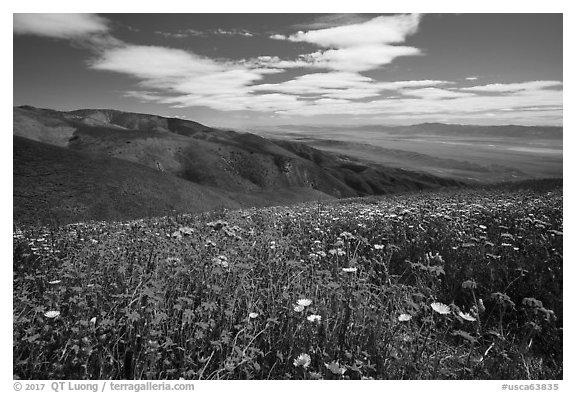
[457,284]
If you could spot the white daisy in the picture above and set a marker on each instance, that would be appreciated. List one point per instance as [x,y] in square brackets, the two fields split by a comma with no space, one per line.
[404,317]
[304,302]
[52,314]
[314,318]
[440,308]
[466,316]
[302,360]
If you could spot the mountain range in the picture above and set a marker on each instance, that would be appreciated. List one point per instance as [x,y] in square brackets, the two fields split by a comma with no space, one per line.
[445,130]
[96,164]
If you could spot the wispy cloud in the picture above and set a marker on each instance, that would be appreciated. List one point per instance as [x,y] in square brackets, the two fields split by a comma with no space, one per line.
[331,20]
[233,32]
[278,37]
[154,62]
[357,47]
[348,85]
[82,30]
[181,33]
[425,106]
[336,85]
[333,85]
[181,78]
[66,26]
[380,30]
[186,33]
[513,87]
[358,58]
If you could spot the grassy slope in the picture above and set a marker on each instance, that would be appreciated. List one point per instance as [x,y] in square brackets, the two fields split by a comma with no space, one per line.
[178,307]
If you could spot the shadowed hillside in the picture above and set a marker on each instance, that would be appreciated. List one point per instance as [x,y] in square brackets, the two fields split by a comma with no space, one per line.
[52,184]
[223,159]
[55,183]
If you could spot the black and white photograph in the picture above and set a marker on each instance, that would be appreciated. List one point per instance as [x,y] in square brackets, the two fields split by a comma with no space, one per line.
[287,196]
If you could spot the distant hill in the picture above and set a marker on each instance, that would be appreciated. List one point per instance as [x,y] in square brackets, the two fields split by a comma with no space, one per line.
[454,130]
[470,153]
[107,164]
[447,130]
[366,179]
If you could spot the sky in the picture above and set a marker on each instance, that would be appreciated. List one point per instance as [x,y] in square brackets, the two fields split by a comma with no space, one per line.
[246,70]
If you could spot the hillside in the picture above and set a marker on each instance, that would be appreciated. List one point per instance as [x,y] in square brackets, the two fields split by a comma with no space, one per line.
[53,182]
[363,177]
[57,185]
[145,164]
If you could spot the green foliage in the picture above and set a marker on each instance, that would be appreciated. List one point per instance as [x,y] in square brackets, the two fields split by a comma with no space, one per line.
[449,285]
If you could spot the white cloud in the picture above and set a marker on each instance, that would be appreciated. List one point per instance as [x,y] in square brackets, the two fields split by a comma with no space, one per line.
[346,85]
[533,104]
[68,26]
[380,30]
[354,47]
[180,78]
[513,87]
[335,85]
[225,81]
[319,83]
[358,58]
[147,62]
[274,62]
[144,96]
[521,107]
[471,78]
[235,102]
[278,37]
